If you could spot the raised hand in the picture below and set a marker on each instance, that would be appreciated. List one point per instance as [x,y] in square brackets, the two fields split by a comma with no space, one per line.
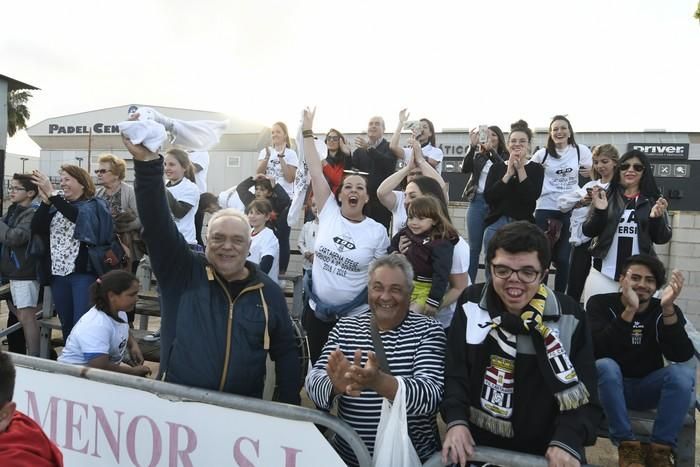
[362,377]
[673,289]
[600,198]
[138,151]
[659,208]
[474,137]
[403,116]
[361,142]
[337,368]
[308,119]
[43,185]
[630,299]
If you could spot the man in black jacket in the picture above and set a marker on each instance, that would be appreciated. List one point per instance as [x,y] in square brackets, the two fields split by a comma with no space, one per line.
[632,334]
[374,156]
[519,372]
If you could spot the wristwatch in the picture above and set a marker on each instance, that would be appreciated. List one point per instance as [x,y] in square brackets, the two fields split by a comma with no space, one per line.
[55,193]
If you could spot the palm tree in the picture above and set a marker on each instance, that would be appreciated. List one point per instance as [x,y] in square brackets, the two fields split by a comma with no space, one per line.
[17,111]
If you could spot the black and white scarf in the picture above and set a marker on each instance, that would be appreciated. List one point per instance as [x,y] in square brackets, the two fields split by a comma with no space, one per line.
[495,409]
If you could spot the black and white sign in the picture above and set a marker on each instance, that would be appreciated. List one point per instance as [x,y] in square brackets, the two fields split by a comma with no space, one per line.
[662,150]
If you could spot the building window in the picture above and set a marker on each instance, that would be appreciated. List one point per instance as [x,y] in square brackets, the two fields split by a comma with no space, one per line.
[233,161]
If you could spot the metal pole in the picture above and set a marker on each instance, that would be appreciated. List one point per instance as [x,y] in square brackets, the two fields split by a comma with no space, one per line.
[3,138]
[23,159]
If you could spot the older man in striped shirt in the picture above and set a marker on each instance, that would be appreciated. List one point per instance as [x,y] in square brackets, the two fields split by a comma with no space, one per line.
[366,354]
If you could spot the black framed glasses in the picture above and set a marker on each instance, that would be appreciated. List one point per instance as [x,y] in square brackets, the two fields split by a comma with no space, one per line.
[525,275]
[637,167]
[10,189]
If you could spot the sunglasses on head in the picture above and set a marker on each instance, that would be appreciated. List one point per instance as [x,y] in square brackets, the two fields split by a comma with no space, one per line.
[637,167]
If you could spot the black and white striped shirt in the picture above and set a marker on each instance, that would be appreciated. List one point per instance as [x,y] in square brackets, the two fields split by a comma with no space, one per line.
[415,351]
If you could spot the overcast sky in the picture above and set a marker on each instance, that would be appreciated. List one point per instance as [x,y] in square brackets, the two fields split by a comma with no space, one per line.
[610,65]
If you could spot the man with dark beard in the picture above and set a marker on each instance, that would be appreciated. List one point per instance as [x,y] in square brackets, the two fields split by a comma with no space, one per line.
[632,334]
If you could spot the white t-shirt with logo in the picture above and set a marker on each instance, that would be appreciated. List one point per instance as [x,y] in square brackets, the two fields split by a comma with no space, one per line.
[429,152]
[399,215]
[230,199]
[266,244]
[460,265]
[343,252]
[187,192]
[274,167]
[96,334]
[625,243]
[201,158]
[560,174]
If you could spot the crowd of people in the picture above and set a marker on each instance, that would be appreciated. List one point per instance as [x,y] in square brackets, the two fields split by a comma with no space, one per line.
[391,291]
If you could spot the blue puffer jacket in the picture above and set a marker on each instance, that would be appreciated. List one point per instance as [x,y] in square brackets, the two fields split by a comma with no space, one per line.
[208,338]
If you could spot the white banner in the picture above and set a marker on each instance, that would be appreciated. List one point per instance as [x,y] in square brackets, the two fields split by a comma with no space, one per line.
[101,424]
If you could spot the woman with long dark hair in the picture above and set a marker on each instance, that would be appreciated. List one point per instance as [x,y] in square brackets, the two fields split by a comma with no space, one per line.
[563,160]
[101,336]
[346,243]
[624,220]
[338,158]
[477,163]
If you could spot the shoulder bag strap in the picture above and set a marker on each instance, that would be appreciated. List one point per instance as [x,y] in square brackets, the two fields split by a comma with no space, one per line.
[379,348]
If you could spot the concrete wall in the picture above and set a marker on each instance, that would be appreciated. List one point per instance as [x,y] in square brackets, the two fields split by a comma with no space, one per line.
[683,253]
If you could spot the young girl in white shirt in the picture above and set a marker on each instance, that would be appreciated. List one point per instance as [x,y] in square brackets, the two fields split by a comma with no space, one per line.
[99,338]
[182,193]
[264,246]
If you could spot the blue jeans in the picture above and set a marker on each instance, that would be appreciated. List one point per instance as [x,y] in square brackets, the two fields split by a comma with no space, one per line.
[561,251]
[488,235]
[70,294]
[475,230]
[669,390]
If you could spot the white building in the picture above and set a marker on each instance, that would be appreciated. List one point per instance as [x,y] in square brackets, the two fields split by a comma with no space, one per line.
[81,138]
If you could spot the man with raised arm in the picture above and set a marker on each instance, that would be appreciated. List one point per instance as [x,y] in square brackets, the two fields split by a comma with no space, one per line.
[519,372]
[221,315]
[374,157]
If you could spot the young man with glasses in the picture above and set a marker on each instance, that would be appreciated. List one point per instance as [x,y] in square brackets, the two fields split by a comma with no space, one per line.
[15,263]
[519,371]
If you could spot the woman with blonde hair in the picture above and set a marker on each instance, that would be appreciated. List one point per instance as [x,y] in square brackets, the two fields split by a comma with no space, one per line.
[121,200]
[578,201]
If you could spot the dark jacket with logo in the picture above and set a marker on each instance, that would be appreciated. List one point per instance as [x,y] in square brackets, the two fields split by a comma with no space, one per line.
[15,233]
[210,339]
[638,347]
[601,224]
[537,421]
